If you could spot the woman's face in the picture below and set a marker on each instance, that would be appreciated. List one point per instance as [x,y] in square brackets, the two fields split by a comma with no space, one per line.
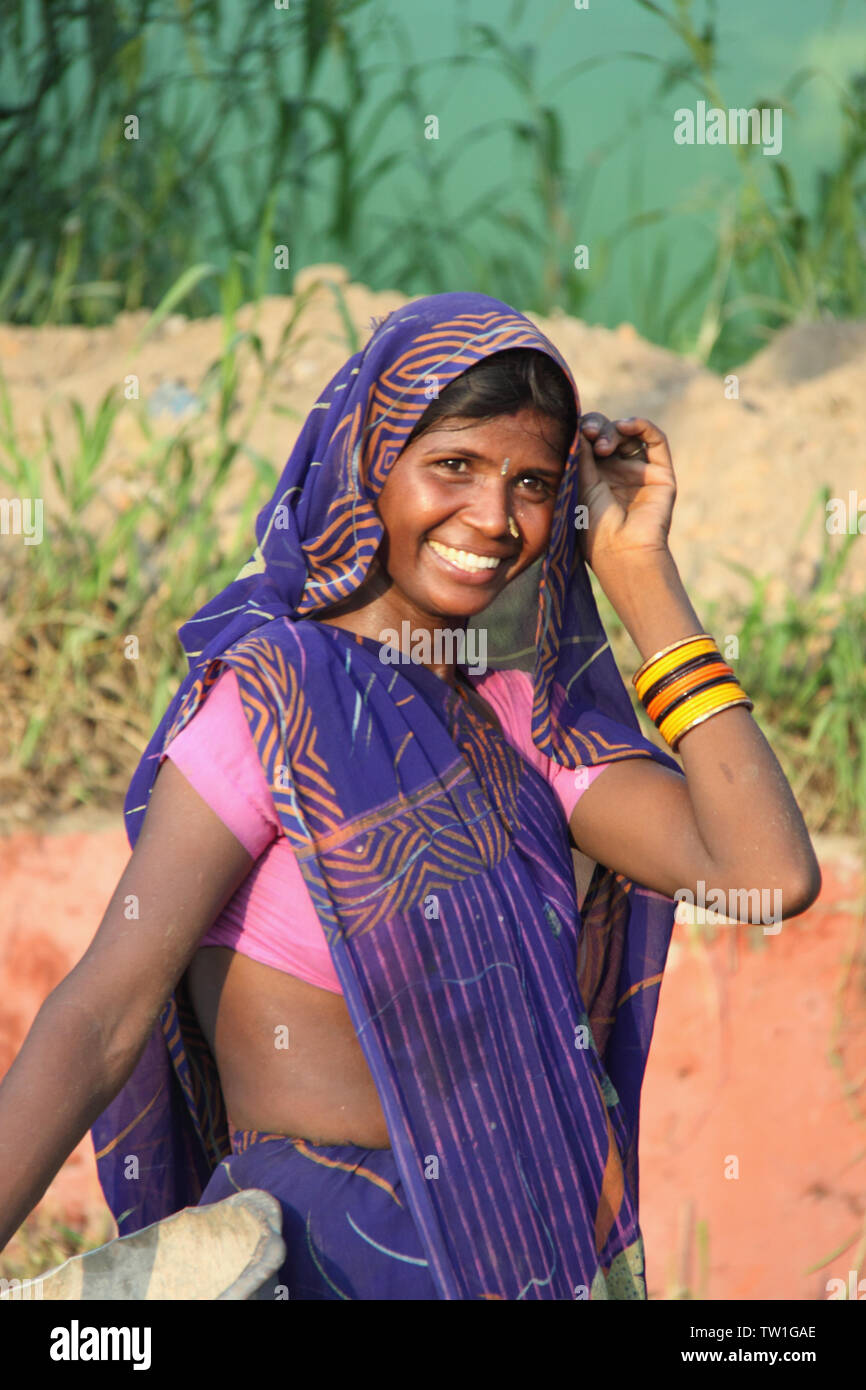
[453,489]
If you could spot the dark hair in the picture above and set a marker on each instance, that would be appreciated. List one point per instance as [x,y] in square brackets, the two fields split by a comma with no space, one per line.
[503,384]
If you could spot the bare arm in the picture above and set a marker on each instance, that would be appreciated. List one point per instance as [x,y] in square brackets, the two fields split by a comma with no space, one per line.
[92,1029]
[733,822]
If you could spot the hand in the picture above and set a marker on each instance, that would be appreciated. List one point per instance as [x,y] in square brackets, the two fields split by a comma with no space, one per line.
[628,501]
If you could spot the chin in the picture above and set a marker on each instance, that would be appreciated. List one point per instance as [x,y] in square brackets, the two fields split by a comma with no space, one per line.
[452,612]
[437,605]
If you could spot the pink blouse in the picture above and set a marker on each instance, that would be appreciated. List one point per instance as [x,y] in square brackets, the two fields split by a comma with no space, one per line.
[271,917]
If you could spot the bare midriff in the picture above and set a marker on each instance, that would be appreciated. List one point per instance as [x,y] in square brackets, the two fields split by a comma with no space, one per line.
[286,1051]
[287,1054]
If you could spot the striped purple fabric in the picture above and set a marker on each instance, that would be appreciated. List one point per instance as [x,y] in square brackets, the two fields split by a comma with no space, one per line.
[507,1033]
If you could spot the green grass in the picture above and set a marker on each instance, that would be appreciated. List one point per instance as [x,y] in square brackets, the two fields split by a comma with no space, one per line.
[315,111]
[77,707]
[310,110]
[778,255]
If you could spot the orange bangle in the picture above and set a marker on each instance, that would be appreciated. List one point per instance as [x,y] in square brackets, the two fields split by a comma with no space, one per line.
[659,703]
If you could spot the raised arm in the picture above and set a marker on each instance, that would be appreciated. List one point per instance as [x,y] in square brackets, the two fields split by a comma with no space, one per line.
[92,1029]
[732,823]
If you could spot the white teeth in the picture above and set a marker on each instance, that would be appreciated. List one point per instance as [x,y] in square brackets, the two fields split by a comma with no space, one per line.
[465,559]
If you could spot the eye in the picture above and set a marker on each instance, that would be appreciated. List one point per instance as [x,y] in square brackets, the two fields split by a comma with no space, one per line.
[542,488]
[539,488]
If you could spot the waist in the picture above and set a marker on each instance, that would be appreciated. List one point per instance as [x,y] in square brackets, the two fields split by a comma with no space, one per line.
[243,1139]
[338,1155]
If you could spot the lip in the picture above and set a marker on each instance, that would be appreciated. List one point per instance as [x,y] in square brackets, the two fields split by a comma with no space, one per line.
[468,576]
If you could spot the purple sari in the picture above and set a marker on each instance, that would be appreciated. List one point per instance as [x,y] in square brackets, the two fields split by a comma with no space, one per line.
[507,1033]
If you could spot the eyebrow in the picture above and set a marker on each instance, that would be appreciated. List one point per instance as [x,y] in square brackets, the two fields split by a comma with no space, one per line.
[483,458]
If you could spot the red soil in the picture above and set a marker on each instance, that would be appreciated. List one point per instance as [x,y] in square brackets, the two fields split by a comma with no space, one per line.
[759,1057]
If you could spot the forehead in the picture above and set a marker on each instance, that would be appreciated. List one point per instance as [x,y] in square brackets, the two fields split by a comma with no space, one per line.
[529,429]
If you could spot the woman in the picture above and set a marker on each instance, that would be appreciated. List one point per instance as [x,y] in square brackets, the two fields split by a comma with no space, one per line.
[442,1087]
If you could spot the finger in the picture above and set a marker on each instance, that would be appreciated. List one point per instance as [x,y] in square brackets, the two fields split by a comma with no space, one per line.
[641,438]
[627,438]
[632,447]
[607,440]
[610,439]
[650,433]
[593,423]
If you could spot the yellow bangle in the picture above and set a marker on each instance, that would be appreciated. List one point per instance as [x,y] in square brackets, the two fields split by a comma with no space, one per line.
[702,699]
[724,696]
[695,637]
[669,658]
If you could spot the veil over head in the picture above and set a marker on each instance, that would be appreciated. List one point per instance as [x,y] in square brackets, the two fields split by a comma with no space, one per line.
[390,789]
[318,534]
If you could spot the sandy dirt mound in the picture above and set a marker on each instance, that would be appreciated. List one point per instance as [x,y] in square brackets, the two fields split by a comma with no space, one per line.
[750,449]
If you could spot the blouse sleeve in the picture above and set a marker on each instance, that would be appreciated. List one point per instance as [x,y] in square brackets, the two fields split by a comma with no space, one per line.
[515,709]
[216,754]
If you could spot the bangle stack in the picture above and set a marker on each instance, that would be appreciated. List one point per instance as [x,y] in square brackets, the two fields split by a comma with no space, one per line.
[686,683]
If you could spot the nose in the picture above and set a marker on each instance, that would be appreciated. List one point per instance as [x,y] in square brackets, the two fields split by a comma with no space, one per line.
[488,508]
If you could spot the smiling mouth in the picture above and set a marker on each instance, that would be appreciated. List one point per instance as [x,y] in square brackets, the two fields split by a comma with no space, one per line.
[466,560]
